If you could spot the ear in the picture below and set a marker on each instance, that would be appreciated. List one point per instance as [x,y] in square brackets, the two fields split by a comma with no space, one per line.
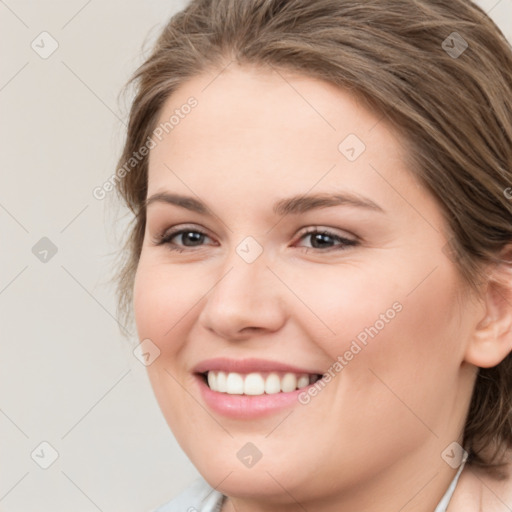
[492,339]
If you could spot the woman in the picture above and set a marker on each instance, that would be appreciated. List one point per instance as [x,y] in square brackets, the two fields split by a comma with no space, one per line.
[320,256]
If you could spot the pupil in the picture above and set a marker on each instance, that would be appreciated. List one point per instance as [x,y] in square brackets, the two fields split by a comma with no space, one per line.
[193,237]
[321,238]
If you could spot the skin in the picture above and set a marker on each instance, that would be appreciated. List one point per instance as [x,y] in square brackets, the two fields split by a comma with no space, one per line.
[373,439]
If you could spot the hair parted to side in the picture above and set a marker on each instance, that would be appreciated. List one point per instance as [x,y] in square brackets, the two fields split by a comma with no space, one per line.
[453,114]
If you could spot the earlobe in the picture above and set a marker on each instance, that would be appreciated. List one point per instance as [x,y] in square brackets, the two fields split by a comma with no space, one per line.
[491,341]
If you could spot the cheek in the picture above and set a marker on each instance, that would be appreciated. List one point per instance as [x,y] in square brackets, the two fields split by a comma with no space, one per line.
[427,331]
[389,315]
[396,382]
[386,330]
[410,366]
[164,299]
[341,305]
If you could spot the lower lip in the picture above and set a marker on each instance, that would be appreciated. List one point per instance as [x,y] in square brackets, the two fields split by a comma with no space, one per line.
[247,406]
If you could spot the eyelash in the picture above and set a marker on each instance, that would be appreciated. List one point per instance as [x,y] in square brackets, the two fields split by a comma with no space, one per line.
[166,237]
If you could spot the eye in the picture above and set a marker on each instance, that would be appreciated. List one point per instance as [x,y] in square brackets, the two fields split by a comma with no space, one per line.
[189,237]
[324,239]
[179,239]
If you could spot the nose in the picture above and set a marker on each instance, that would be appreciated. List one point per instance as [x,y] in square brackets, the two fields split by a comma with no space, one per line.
[245,299]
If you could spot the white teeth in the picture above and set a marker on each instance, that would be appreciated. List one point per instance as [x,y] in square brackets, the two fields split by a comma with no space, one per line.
[257,383]
[221,382]
[303,381]
[272,384]
[212,380]
[235,384]
[254,384]
[289,383]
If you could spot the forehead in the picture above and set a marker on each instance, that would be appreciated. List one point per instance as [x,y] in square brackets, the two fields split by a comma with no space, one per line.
[269,127]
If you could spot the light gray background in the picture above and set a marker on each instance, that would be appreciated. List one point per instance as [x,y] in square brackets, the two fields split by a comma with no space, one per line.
[67,376]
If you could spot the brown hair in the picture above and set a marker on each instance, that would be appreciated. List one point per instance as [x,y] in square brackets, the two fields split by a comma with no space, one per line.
[408,61]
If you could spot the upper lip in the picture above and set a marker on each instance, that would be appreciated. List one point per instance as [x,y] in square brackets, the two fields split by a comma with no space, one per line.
[248,366]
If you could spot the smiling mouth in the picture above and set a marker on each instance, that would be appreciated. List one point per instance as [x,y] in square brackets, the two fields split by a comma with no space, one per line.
[257,383]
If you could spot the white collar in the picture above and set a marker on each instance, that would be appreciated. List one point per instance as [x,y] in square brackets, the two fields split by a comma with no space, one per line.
[445,500]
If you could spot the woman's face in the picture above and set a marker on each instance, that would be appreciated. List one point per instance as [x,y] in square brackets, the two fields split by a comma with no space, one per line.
[306,248]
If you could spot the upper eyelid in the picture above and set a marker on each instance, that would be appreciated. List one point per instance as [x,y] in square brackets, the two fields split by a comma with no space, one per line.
[174,231]
[177,230]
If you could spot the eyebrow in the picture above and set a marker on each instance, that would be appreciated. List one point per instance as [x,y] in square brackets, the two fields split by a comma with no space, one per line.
[289,206]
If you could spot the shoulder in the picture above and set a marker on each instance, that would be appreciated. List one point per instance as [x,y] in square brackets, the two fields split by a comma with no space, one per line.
[479,490]
[199,496]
